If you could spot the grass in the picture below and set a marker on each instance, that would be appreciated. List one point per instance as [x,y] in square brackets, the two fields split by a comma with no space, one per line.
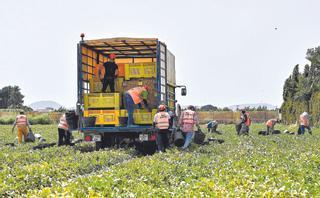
[247,166]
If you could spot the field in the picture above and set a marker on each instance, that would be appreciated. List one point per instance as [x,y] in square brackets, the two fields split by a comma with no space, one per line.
[274,166]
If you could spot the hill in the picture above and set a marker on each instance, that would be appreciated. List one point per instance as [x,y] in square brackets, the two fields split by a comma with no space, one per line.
[45,104]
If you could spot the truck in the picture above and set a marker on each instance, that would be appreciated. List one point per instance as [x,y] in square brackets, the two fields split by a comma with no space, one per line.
[141,62]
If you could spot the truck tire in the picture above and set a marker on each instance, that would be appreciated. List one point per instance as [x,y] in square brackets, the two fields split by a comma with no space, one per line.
[99,145]
[146,148]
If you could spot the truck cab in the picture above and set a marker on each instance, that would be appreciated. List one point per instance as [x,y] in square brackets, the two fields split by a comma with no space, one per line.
[141,62]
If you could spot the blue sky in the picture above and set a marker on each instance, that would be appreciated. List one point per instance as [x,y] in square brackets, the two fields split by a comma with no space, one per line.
[227,52]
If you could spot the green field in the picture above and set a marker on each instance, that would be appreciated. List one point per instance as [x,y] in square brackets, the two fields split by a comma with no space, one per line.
[280,165]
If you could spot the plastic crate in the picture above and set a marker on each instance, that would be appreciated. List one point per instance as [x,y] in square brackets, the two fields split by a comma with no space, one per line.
[96,85]
[102,100]
[121,72]
[140,116]
[140,70]
[104,117]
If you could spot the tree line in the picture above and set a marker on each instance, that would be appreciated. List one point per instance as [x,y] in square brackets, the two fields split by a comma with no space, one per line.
[214,108]
[301,91]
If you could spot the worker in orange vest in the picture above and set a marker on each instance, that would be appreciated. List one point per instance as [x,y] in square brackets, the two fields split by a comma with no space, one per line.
[110,73]
[187,121]
[136,96]
[304,123]
[270,125]
[22,124]
[63,131]
[161,122]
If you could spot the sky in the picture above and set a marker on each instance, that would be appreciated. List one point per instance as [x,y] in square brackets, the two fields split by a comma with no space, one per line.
[227,52]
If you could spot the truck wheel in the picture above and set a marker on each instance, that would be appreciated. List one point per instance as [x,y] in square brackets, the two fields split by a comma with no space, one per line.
[108,140]
[99,145]
[149,148]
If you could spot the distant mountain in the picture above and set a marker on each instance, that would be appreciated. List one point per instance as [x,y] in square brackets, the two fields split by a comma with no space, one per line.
[256,105]
[44,105]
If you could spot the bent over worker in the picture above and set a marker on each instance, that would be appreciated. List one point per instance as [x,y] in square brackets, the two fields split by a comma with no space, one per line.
[245,122]
[304,123]
[111,72]
[270,125]
[187,121]
[212,126]
[135,96]
[63,130]
[161,122]
[22,124]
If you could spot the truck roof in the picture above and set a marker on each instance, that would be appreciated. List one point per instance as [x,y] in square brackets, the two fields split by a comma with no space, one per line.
[124,47]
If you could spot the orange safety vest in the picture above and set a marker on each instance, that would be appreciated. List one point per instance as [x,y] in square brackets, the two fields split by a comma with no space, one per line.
[248,122]
[271,122]
[304,120]
[162,120]
[21,121]
[135,93]
[63,124]
[188,117]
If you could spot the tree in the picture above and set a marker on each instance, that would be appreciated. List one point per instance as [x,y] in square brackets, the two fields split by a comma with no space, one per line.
[11,97]
[262,108]
[209,108]
[306,71]
[301,92]
[287,88]
[295,79]
[226,109]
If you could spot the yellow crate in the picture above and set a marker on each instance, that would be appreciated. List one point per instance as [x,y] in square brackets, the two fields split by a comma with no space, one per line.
[143,117]
[140,116]
[102,100]
[96,85]
[140,70]
[123,113]
[104,117]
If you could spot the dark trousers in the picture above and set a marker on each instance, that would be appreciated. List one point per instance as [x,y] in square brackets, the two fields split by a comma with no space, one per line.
[130,108]
[302,129]
[64,137]
[269,130]
[108,81]
[162,140]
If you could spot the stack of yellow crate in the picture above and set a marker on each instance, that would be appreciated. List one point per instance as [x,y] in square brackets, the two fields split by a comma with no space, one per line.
[106,107]
[145,71]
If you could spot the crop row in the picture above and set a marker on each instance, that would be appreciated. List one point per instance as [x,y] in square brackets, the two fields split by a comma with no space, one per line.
[272,166]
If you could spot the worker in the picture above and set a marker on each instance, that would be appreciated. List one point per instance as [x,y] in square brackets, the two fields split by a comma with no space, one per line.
[270,125]
[212,126]
[111,72]
[245,122]
[161,122]
[136,96]
[23,125]
[63,130]
[187,121]
[304,123]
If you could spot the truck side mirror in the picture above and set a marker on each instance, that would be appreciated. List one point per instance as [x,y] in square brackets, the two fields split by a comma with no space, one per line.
[183,91]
